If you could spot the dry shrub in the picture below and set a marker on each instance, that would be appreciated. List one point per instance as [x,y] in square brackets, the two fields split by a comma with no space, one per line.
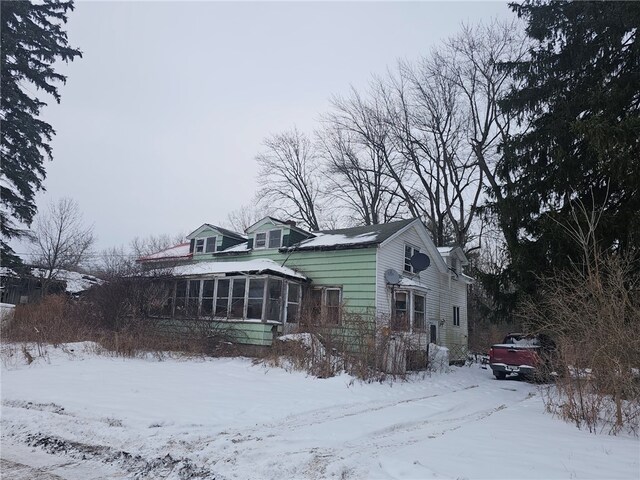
[54,320]
[361,345]
[593,313]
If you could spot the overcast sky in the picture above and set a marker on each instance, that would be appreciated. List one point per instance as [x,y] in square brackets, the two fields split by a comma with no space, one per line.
[161,119]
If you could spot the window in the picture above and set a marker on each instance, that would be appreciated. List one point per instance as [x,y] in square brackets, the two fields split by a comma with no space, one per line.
[456,316]
[316,305]
[206,309]
[275,238]
[409,252]
[222,298]
[324,305]
[237,298]
[274,298]
[193,298]
[293,302]
[211,245]
[270,239]
[332,304]
[400,318]
[261,240]
[255,298]
[181,298]
[418,313]
[199,245]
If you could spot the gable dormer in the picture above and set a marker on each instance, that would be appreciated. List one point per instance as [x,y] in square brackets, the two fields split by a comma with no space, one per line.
[210,239]
[455,258]
[271,233]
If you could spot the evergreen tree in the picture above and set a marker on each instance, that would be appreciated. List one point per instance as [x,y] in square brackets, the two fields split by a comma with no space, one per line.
[32,38]
[578,106]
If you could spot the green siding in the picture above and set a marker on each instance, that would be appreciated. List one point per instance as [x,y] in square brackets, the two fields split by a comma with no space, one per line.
[249,333]
[353,270]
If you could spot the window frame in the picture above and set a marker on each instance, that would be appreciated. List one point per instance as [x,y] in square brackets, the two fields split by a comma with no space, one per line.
[395,324]
[408,268]
[209,240]
[279,230]
[268,239]
[415,312]
[200,247]
[255,241]
[456,316]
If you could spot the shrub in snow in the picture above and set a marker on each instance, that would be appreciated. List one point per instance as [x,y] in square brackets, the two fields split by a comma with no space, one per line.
[438,358]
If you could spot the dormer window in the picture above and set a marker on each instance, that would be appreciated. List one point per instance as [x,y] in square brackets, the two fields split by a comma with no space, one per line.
[211,244]
[199,245]
[270,239]
[261,240]
[275,238]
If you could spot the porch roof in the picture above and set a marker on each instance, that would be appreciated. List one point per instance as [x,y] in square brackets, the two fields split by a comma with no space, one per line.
[256,266]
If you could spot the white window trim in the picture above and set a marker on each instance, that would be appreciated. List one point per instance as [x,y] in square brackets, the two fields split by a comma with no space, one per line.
[414,250]
[215,244]
[255,240]
[267,239]
[195,245]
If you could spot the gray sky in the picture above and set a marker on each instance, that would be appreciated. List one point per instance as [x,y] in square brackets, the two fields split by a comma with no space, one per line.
[161,119]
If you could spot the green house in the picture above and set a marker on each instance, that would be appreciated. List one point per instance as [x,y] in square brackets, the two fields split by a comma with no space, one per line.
[275,277]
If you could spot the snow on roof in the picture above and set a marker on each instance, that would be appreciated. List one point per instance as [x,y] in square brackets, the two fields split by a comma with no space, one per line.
[445,249]
[241,247]
[334,239]
[7,272]
[407,282]
[262,265]
[177,251]
[76,282]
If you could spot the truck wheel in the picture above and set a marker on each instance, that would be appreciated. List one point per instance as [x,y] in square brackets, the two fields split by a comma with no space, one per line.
[500,375]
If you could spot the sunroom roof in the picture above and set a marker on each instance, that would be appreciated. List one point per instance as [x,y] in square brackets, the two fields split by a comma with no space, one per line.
[257,266]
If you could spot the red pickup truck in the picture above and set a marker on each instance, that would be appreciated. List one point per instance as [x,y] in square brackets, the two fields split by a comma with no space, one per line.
[518,353]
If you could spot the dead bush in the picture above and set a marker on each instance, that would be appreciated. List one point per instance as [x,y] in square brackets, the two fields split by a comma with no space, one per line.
[53,320]
[592,312]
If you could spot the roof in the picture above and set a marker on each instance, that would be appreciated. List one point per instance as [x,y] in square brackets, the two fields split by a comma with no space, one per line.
[284,223]
[257,266]
[75,282]
[177,251]
[224,231]
[352,237]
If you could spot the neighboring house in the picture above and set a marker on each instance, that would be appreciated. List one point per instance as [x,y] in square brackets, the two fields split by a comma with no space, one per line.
[266,282]
[26,287]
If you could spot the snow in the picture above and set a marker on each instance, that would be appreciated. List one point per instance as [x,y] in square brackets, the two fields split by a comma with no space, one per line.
[262,265]
[407,282]
[235,419]
[333,239]
[76,282]
[241,247]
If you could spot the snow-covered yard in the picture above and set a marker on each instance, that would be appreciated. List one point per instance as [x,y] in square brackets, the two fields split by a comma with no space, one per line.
[81,415]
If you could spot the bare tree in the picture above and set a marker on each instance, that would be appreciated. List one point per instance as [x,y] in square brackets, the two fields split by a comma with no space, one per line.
[60,239]
[245,216]
[357,147]
[290,176]
[476,55]
[143,246]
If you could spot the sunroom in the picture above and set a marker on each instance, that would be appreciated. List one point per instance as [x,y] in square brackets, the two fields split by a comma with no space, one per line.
[242,291]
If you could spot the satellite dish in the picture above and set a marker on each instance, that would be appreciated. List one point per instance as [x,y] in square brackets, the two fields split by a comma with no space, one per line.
[420,262]
[392,277]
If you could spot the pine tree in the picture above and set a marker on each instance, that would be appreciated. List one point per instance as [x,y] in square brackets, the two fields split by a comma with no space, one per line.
[33,39]
[579,109]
